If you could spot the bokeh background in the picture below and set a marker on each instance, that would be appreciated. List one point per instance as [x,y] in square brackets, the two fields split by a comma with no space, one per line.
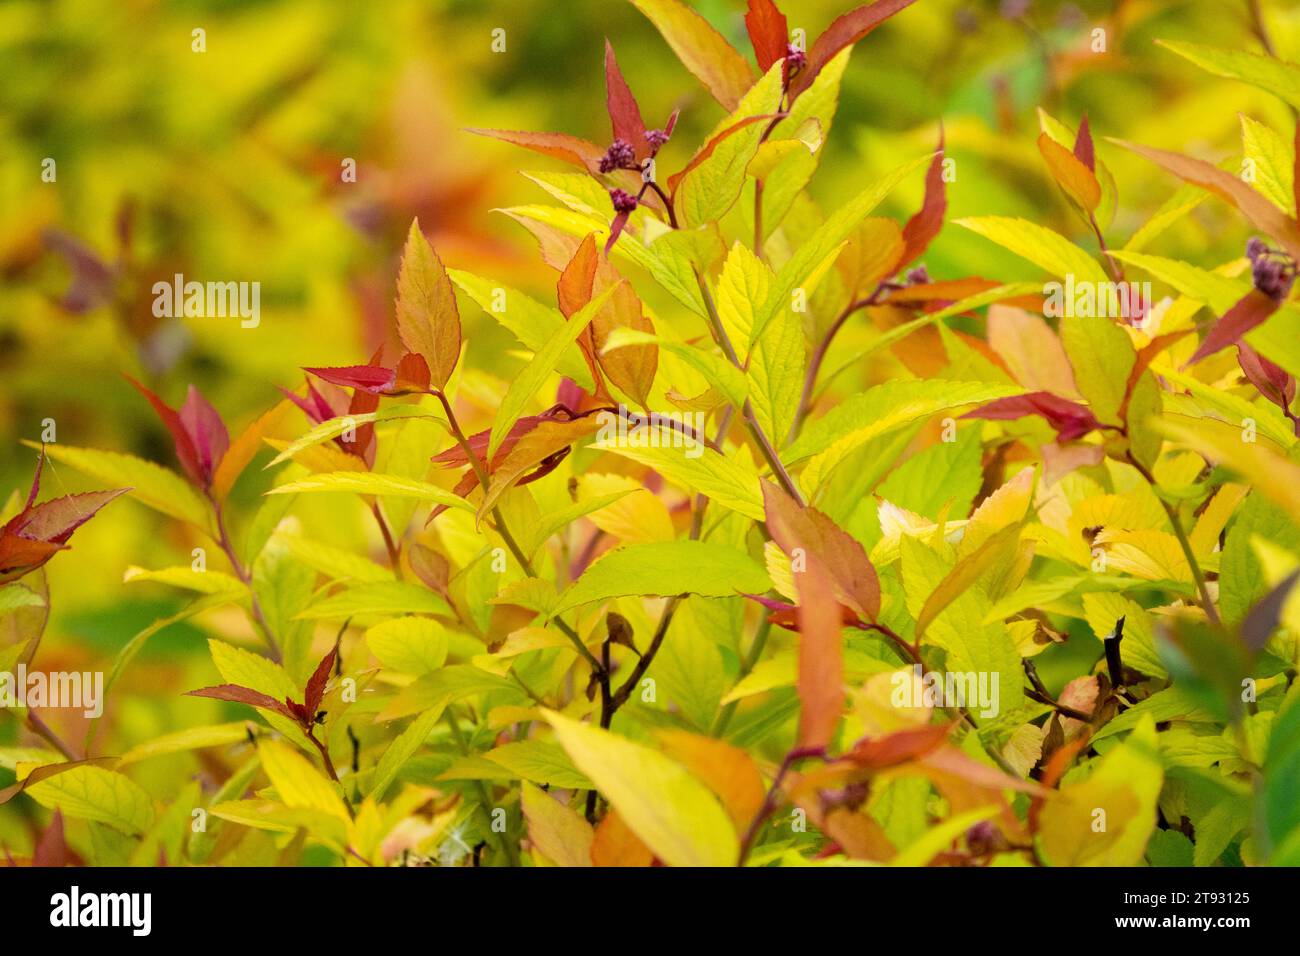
[226,165]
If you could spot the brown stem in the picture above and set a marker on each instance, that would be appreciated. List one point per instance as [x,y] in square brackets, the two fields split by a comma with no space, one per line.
[1198,575]
[393,549]
[1039,693]
[819,355]
[769,804]
[42,730]
[246,576]
[329,768]
[480,473]
[747,411]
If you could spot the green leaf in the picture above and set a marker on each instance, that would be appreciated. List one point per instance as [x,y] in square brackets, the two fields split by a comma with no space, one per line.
[335,563]
[377,598]
[204,582]
[1266,72]
[540,762]
[1048,250]
[334,427]
[710,187]
[818,252]
[369,483]
[666,568]
[152,485]
[410,645]
[531,322]
[723,480]
[672,812]
[530,380]
[742,289]
[1102,355]
[402,749]
[776,371]
[192,738]
[297,782]
[15,596]
[93,793]
[1273,161]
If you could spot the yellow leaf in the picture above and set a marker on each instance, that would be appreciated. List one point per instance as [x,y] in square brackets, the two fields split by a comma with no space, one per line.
[728,771]
[299,784]
[671,811]
[1106,819]
[561,835]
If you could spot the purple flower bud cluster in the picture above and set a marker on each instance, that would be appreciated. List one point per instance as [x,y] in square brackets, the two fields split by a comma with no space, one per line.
[918,276]
[624,202]
[795,58]
[656,138]
[620,155]
[1272,271]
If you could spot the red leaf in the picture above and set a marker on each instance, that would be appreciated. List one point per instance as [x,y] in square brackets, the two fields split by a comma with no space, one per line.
[853,579]
[1253,205]
[925,225]
[56,519]
[38,532]
[186,452]
[768,32]
[821,655]
[1253,308]
[624,114]
[366,378]
[847,30]
[316,684]
[51,849]
[580,152]
[412,373]
[1273,382]
[1070,419]
[1083,150]
[887,750]
[245,695]
[206,430]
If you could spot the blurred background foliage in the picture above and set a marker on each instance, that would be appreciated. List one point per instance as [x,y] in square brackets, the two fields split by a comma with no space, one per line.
[225,165]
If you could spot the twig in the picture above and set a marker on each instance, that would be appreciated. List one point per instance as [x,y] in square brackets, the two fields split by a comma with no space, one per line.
[479,472]
[747,411]
[769,804]
[246,576]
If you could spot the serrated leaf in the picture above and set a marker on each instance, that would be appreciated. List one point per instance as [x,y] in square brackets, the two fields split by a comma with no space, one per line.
[369,483]
[297,782]
[666,568]
[1046,249]
[376,598]
[427,318]
[152,485]
[191,738]
[530,380]
[97,794]
[723,71]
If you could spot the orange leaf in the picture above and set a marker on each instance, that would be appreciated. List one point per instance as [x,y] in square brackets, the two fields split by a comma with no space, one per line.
[726,770]
[1254,206]
[1070,173]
